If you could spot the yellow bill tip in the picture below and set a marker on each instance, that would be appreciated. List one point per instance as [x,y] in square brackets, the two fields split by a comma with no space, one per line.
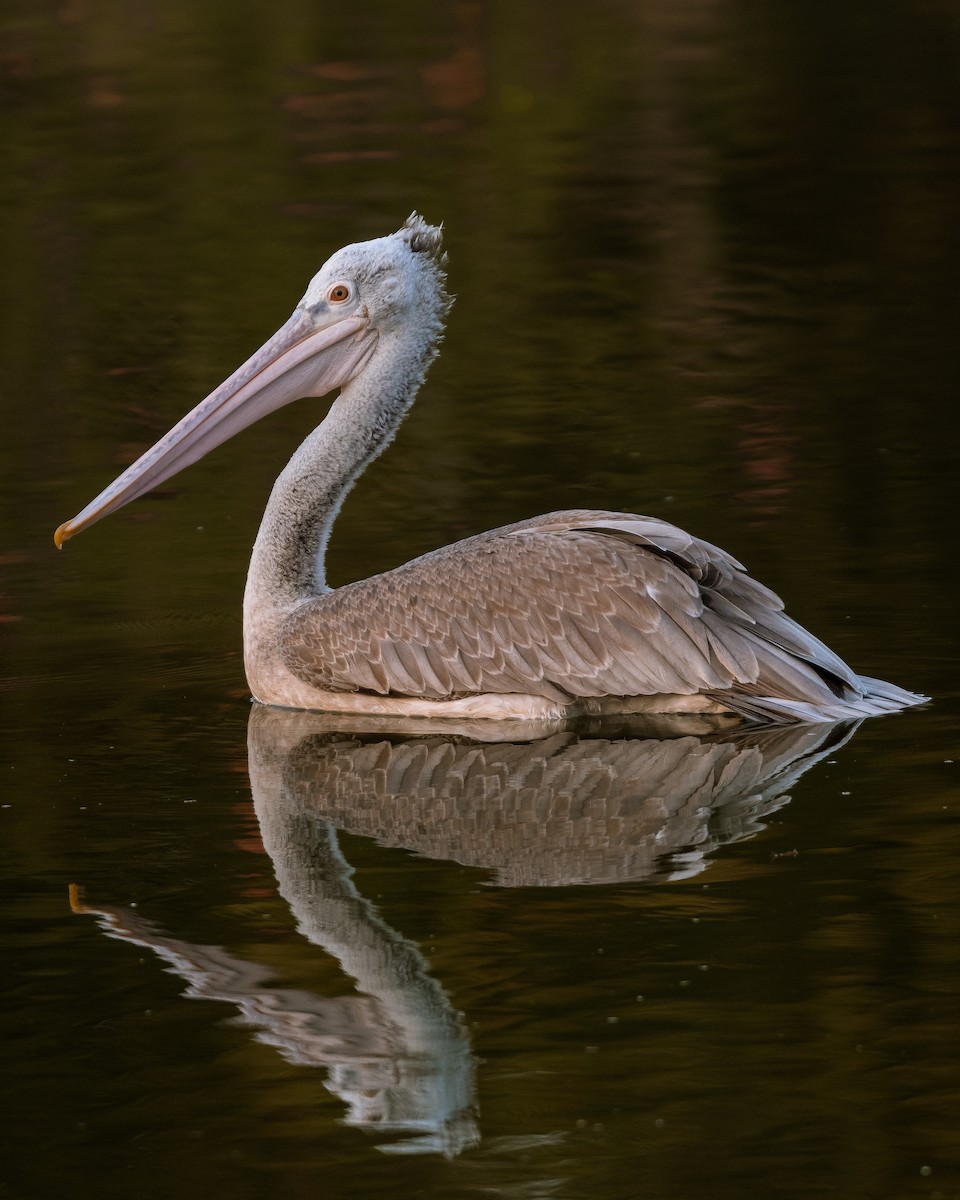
[62,534]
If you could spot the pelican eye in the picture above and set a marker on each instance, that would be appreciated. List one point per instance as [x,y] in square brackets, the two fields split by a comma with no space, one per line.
[339,293]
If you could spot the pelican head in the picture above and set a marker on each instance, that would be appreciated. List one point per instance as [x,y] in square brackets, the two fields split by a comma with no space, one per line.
[363,296]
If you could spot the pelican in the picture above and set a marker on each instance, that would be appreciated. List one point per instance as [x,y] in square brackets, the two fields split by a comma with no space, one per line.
[574,613]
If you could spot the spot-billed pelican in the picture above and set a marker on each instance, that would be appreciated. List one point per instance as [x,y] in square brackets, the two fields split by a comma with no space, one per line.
[565,614]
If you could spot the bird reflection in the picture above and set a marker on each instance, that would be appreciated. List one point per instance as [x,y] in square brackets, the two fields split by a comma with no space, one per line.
[553,806]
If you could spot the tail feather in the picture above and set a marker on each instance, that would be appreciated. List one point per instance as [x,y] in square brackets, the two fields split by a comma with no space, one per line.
[875,698]
[887,696]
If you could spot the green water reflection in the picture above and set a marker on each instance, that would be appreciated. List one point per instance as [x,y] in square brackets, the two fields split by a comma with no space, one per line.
[706,261]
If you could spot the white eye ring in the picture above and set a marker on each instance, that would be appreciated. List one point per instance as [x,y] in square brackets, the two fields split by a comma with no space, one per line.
[340,293]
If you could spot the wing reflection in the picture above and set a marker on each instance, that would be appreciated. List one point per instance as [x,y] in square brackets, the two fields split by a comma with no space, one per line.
[561,808]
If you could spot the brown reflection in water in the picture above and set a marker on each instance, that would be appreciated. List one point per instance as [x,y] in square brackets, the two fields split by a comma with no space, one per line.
[459,81]
[767,448]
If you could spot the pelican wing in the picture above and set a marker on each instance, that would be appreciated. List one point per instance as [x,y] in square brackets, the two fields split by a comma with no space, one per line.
[569,605]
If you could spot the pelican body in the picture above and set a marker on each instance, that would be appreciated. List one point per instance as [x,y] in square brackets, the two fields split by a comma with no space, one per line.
[571,613]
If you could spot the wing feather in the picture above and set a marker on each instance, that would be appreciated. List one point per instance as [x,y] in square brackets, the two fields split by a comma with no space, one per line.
[568,605]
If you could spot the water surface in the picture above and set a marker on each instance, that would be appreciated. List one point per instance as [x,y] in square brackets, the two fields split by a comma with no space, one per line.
[706,261]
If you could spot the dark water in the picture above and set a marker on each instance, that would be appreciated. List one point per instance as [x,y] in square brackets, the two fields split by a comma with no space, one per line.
[707,260]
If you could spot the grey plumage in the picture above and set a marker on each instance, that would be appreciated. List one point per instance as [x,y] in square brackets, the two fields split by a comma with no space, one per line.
[573,605]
